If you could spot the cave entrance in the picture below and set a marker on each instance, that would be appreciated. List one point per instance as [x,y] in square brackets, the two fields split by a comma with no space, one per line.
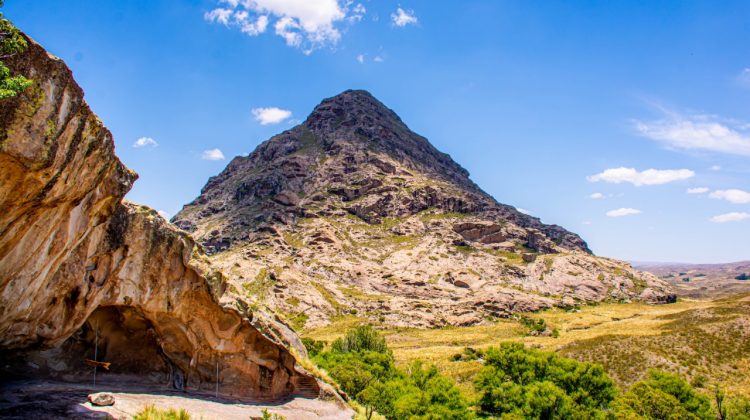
[125,339]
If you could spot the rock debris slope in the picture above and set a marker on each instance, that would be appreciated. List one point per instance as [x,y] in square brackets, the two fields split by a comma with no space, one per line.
[351,213]
[76,262]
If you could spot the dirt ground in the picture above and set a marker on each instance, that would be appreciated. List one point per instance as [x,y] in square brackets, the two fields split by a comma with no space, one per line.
[57,400]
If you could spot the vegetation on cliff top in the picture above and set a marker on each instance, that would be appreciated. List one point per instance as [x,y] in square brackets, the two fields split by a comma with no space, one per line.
[11,43]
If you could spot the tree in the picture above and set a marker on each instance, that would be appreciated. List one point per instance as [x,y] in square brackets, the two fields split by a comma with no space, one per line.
[363,366]
[528,383]
[12,42]
[663,396]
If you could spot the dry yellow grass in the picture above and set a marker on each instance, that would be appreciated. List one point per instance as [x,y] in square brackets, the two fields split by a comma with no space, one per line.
[583,330]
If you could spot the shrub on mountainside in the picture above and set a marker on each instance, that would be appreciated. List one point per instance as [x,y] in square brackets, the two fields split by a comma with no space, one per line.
[663,395]
[313,347]
[518,382]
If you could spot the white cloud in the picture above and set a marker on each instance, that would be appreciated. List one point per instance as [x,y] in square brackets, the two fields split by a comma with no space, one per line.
[647,177]
[219,15]
[361,58]
[306,24]
[524,211]
[715,168]
[358,12]
[586,222]
[403,17]
[378,59]
[730,217]
[212,154]
[163,214]
[145,142]
[621,212]
[597,196]
[271,115]
[733,196]
[697,190]
[698,132]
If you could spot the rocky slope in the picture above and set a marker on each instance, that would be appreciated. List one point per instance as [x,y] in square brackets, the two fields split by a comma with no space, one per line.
[351,213]
[79,267]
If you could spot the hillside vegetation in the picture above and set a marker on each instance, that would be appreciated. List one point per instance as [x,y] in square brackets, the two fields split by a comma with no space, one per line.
[705,343]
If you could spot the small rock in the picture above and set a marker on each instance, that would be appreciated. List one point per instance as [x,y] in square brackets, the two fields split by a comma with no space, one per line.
[102,399]
[528,257]
[461,283]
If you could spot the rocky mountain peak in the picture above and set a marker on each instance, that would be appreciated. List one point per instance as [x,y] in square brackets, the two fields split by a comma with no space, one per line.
[352,209]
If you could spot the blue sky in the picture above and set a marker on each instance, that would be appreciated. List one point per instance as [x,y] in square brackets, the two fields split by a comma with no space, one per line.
[545,103]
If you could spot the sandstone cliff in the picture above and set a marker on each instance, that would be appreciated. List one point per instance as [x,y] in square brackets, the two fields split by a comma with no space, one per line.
[80,267]
[351,213]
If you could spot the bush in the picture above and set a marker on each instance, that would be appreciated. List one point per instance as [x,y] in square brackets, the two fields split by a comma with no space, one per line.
[364,368]
[468,355]
[528,383]
[313,347]
[535,326]
[663,396]
[362,338]
[153,413]
[11,43]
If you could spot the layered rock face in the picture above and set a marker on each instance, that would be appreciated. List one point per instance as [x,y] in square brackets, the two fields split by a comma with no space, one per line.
[81,272]
[351,213]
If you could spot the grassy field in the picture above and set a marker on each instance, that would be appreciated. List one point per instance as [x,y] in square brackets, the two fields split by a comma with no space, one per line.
[706,341]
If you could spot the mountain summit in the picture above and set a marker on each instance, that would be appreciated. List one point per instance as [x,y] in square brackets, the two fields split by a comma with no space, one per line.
[352,212]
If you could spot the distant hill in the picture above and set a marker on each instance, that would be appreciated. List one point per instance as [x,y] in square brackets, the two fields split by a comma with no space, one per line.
[702,280]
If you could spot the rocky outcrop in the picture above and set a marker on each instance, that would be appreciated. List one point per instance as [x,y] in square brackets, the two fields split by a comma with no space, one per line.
[84,274]
[351,213]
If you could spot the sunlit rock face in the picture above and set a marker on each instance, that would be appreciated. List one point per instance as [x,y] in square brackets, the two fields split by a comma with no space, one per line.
[350,213]
[82,272]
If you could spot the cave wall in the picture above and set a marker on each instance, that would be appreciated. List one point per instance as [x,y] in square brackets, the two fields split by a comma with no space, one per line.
[70,246]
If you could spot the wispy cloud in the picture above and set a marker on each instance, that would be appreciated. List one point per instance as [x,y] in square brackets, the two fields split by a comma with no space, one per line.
[145,142]
[744,77]
[361,58]
[305,24]
[730,217]
[647,177]
[622,212]
[212,154]
[733,196]
[271,115]
[697,190]
[715,168]
[524,211]
[403,17]
[597,196]
[698,132]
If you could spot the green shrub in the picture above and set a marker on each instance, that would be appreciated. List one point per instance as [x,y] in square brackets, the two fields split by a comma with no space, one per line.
[535,326]
[313,347]
[363,366]
[663,396]
[11,43]
[468,355]
[528,383]
[362,338]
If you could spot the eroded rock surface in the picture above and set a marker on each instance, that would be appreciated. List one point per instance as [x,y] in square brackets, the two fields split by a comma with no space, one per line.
[352,213]
[81,272]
